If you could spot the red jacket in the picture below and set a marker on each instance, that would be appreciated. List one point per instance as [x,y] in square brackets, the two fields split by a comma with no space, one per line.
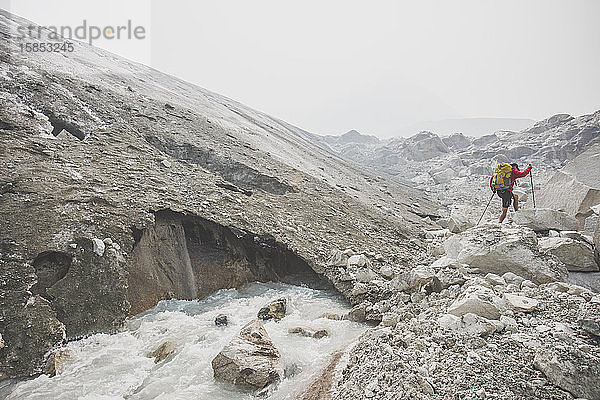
[513,176]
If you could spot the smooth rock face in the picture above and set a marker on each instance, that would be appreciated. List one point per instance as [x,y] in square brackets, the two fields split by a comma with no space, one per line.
[577,256]
[544,219]
[499,249]
[250,359]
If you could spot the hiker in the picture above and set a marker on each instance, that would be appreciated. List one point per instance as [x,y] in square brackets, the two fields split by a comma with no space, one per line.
[502,183]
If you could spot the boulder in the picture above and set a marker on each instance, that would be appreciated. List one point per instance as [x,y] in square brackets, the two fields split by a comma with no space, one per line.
[520,303]
[459,222]
[576,187]
[494,248]
[470,324]
[545,219]
[576,255]
[250,359]
[571,370]
[274,310]
[415,279]
[477,300]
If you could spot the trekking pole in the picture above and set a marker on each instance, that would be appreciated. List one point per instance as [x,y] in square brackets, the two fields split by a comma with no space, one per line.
[532,190]
[486,207]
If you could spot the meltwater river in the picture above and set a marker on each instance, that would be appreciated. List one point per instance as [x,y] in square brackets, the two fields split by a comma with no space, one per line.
[118,366]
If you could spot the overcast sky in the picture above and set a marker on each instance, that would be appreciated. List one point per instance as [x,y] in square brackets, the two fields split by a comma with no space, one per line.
[375,66]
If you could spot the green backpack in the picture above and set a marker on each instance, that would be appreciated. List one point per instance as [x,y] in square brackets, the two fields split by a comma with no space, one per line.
[501,178]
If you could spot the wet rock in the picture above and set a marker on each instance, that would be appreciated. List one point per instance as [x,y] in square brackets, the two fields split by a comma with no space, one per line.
[332,316]
[521,303]
[275,310]
[477,300]
[163,351]
[221,320]
[571,371]
[56,362]
[250,359]
[309,332]
[576,255]
[358,313]
[499,249]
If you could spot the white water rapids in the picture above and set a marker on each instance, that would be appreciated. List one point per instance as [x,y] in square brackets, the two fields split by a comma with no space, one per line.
[118,366]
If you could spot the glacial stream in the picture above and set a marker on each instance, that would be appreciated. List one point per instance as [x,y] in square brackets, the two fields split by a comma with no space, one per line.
[119,366]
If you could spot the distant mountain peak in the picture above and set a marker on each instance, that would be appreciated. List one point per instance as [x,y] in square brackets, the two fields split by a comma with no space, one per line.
[354,136]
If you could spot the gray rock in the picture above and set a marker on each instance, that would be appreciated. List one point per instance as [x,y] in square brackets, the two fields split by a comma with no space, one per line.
[576,187]
[576,255]
[359,260]
[567,370]
[498,249]
[470,324]
[250,359]
[520,303]
[478,300]
[545,219]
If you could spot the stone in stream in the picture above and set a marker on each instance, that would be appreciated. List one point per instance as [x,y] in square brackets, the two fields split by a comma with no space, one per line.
[163,351]
[56,362]
[309,332]
[221,320]
[274,310]
[250,359]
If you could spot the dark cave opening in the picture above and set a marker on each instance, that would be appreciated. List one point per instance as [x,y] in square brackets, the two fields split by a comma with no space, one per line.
[189,257]
[50,267]
[60,124]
